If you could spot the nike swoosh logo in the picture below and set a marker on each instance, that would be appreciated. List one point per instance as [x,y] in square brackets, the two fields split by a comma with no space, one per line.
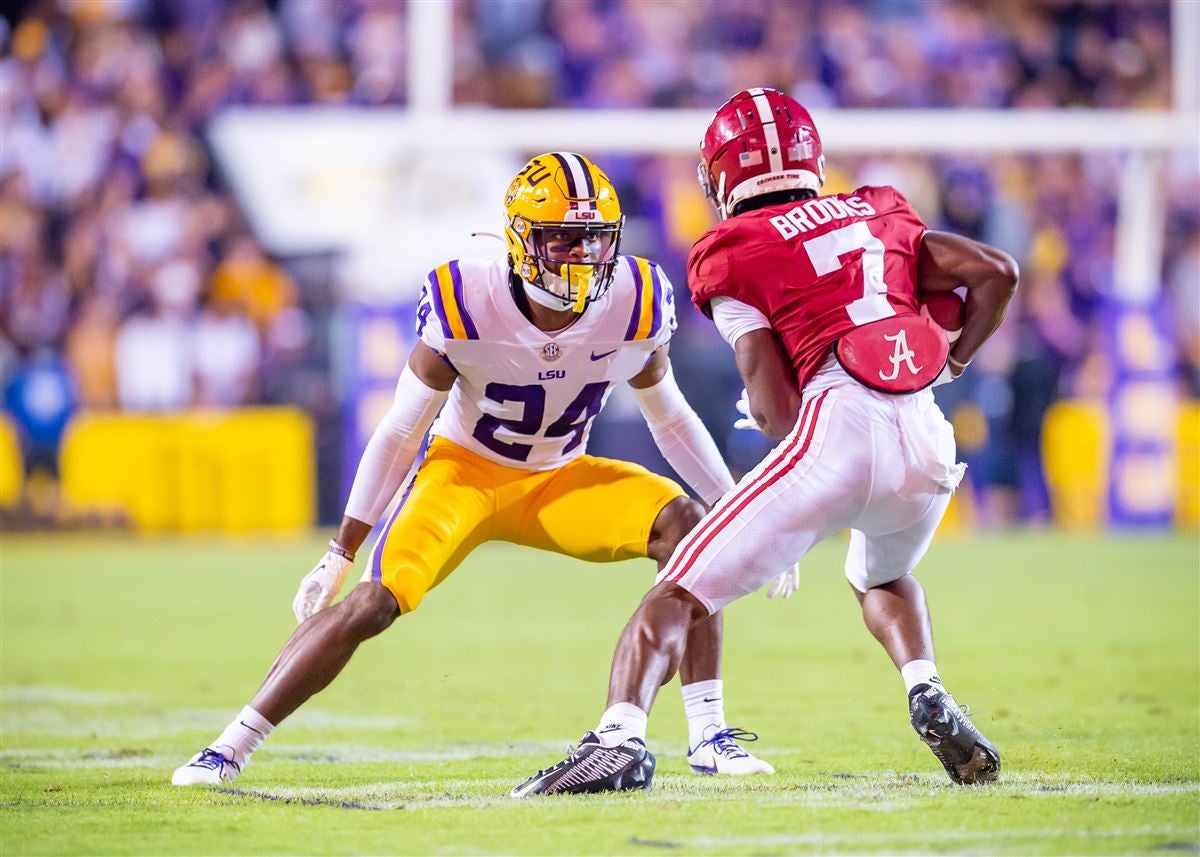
[705,769]
[714,699]
[596,356]
[251,728]
[608,729]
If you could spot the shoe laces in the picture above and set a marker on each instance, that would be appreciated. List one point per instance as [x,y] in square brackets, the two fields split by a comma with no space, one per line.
[955,707]
[214,761]
[724,742]
[946,701]
[572,755]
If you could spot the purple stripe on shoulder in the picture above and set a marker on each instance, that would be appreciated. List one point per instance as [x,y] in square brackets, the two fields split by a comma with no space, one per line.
[636,316]
[377,554]
[439,308]
[460,299]
[656,319]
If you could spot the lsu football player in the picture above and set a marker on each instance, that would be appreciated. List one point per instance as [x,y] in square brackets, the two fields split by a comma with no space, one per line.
[517,355]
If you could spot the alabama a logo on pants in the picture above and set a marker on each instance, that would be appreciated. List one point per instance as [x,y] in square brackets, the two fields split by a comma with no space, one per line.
[901,354]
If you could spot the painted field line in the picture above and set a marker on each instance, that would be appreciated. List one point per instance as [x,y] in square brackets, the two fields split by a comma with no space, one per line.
[464,792]
[316,754]
[345,753]
[53,695]
[21,757]
[32,716]
[922,838]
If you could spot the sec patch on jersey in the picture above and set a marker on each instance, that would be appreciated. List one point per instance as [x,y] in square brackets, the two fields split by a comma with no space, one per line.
[946,309]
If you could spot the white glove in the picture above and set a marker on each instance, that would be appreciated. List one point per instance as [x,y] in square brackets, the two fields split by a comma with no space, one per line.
[787,583]
[321,585]
[746,421]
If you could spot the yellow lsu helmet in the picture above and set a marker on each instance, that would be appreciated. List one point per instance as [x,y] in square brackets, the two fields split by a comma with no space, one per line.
[563,224]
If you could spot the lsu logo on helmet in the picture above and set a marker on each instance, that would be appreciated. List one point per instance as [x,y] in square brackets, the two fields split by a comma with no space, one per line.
[563,225]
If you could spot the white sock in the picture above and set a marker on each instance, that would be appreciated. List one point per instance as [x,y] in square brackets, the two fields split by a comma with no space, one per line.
[243,735]
[620,723]
[704,705]
[919,672]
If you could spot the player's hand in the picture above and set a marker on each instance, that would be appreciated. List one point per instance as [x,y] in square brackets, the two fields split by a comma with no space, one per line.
[746,420]
[948,374]
[321,585]
[787,583]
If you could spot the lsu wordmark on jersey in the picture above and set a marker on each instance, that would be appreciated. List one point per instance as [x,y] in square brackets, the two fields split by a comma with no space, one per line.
[526,397]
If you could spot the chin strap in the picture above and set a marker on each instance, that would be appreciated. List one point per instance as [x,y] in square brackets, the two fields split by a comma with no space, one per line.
[547,299]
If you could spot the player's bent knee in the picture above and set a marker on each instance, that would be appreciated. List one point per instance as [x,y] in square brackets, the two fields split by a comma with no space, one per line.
[676,520]
[371,609]
[668,611]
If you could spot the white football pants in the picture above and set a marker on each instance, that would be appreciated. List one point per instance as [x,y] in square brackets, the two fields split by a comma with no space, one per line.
[881,465]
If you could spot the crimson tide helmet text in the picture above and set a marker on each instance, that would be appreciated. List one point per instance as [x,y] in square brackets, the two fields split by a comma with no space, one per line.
[760,141]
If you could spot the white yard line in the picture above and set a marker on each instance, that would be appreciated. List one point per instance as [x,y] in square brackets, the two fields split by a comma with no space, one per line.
[49,711]
[423,794]
[51,695]
[921,839]
[886,792]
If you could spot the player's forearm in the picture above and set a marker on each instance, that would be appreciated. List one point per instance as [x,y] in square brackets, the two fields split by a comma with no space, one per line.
[393,448]
[381,471]
[946,262]
[690,450]
[683,440]
[775,410]
[986,305]
[770,382]
[351,534]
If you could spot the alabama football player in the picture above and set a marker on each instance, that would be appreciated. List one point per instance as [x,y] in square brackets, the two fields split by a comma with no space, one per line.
[517,355]
[819,296]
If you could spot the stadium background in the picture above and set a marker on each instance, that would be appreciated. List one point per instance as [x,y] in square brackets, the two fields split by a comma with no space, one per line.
[215,217]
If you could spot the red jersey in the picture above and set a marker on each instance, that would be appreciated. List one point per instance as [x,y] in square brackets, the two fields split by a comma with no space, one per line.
[816,269]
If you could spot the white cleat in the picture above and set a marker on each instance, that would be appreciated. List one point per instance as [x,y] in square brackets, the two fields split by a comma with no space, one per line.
[207,768]
[720,753]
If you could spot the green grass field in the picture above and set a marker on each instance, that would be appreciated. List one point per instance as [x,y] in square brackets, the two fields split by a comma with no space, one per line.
[121,658]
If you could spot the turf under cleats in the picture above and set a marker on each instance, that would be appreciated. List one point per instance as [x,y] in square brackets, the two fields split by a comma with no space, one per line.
[943,724]
[591,767]
[720,753]
[207,768]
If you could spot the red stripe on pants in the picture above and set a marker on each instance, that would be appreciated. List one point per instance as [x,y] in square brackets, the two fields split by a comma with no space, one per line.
[708,530]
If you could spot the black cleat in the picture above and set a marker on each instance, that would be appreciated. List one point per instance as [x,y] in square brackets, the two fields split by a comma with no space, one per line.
[591,767]
[967,756]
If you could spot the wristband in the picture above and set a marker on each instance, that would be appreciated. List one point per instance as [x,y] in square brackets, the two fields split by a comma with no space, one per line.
[334,547]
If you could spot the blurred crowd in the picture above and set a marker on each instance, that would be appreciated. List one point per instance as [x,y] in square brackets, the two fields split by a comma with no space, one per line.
[130,278]
[851,53]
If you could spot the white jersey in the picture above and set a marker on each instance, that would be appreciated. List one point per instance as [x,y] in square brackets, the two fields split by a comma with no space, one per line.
[525,397]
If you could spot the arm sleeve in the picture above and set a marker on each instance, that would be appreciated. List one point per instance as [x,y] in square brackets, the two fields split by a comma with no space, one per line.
[682,439]
[735,319]
[393,447]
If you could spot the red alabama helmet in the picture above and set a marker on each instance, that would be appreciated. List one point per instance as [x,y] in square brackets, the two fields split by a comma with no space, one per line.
[759,141]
